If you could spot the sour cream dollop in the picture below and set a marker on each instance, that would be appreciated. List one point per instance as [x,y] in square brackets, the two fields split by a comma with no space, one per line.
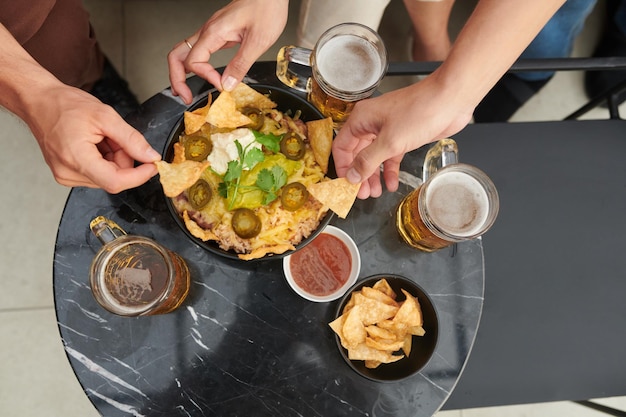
[225,150]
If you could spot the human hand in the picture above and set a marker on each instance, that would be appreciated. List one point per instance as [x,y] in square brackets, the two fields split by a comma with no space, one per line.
[241,22]
[380,130]
[86,143]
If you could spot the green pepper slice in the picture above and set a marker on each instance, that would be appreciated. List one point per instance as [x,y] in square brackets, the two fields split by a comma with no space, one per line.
[257,117]
[292,146]
[293,196]
[199,194]
[197,147]
[246,223]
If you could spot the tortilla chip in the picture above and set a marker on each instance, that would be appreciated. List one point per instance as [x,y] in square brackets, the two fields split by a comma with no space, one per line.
[176,178]
[224,114]
[261,252]
[410,312]
[320,133]
[353,330]
[196,230]
[195,119]
[378,295]
[246,96]
[373,311]
[179,153]
[379,333]
[383,344]
[383,286]
[365,353]
[338,195]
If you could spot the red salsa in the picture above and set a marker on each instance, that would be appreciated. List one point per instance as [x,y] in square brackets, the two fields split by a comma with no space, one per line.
[322,266]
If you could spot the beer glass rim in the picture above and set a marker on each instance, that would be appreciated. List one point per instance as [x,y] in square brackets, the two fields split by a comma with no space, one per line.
[374,39]
[485,182]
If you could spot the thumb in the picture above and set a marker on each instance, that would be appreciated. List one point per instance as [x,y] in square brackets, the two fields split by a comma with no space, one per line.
[131,141]
[367,161]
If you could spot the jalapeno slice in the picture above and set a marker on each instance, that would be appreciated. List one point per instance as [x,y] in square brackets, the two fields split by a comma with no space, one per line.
[293,196]
[257,117]
[246,223]
[197,147]
[199,194]
[292,146]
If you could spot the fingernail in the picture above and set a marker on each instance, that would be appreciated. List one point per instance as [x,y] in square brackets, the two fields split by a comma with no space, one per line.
[353,176]
[153,155]
[229,83]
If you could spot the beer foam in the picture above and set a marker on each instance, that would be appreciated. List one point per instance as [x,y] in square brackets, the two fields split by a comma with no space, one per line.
[457,203]
[349,63]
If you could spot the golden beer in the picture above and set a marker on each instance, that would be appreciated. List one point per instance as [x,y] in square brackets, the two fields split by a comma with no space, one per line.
[135,276]
[459,202]
[328,105]
[346,68]
[348,63]
[412,229]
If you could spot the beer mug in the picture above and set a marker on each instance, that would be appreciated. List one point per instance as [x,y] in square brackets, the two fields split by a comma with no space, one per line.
[134,275]
[348,63]
[456,202]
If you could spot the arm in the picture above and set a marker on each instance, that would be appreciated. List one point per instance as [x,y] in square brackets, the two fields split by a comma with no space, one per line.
[84,142]
[382,129]
[243,22]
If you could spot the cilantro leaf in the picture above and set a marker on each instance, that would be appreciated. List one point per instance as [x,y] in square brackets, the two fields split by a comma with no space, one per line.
[265,180]
[270,141]
[252,157]
[233,172]
[222,190]
[280,177]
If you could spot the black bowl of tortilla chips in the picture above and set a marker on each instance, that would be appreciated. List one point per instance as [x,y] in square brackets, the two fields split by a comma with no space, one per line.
[386,327]
[289,104]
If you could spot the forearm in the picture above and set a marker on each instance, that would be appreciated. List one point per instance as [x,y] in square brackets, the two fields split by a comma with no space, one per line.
[21,77]
[495,35]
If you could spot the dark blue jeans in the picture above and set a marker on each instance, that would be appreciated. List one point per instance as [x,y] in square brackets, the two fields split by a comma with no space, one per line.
[556,39]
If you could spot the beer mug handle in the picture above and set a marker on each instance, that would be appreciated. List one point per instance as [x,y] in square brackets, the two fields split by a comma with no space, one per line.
[444,152]
[286,74]
[105,230]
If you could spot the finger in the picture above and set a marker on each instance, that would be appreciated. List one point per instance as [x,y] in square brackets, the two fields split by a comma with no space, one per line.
[177,72]
[368,160]
[197,60]
[239,66]
[121,136]
[345,147]
[391,172]
[376,188]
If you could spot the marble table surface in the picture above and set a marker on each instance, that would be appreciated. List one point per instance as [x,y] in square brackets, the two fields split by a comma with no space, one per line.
[243,343]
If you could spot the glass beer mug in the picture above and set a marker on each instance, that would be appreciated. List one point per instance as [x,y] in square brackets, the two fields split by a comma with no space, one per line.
[134,275]
[456,202]
[348,63]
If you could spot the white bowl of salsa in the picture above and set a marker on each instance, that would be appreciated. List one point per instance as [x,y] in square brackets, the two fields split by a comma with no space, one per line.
[325,268]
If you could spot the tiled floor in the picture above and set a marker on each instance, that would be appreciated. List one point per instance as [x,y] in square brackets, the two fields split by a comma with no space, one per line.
[35,377]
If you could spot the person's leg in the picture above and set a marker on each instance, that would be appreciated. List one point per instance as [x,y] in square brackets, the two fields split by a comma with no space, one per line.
[60,38]
[555,40]
[431,40]
[66,46]
[612,44]
[316,16]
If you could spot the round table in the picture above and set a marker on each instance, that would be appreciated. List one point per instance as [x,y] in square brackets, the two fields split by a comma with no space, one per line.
[243,343]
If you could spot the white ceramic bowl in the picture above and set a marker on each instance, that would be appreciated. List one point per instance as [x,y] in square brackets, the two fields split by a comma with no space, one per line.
[354,272]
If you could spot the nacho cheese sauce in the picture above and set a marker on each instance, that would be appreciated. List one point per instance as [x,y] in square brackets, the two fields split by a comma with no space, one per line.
[321,267]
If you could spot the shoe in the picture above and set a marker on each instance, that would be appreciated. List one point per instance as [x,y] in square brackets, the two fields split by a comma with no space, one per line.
[505,98]
[612,44]
[113,90]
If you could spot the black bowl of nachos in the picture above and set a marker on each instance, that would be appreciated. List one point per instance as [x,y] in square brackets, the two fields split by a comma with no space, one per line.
[248,174]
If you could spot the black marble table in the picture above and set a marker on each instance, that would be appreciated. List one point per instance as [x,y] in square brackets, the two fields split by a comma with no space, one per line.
[243,343]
